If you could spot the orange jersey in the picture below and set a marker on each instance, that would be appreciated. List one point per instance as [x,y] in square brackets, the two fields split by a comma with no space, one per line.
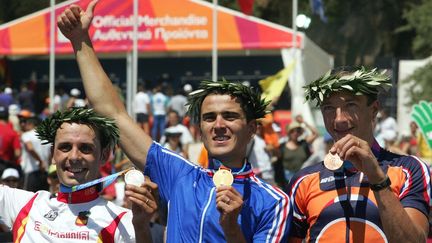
[334,206]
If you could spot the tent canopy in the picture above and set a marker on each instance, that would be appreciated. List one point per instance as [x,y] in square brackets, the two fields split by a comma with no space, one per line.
[174,26]
[164,26]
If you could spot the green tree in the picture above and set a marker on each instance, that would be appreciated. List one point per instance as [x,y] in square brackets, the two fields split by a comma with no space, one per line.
[419,81]
[357,32]
[419,19]
[13,9]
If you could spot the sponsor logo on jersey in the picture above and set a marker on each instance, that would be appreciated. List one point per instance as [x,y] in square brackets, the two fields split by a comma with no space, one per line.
[77,235]
[51,215]
[331,178]
[82,218]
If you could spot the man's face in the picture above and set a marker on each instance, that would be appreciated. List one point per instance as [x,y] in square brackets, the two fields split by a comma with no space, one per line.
[173,119]
[225,131]
[23,124]
[12,182]
[77,154]
[345,113]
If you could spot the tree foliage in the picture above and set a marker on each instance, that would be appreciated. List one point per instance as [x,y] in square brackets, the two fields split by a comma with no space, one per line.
[419,19]
[419,81]
[13,9]
[357,32]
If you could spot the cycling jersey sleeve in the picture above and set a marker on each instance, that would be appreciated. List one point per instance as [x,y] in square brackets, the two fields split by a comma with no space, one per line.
[416,190]
[165,167]
[125,231]
[274,224]
[299,225]
[11,202]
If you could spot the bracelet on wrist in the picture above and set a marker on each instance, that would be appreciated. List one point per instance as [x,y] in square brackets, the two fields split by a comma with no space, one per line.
[382,185]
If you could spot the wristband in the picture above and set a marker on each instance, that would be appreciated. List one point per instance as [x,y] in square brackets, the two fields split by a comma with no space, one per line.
[379,186]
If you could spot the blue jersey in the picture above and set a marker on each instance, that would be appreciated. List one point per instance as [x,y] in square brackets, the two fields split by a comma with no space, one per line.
[190,194]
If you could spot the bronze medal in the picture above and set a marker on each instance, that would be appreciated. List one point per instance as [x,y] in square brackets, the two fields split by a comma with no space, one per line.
[223,178]
[332,161]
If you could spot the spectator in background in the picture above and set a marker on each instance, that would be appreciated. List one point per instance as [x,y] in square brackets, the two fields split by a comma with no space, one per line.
[320,148]
[10,148]
[141,106]
[178,102]
[296,150]
[173,141]
[409,143]
[185,137]
[75,99]
[14,110]
[26,98]
[35,156]
[159,104]
[385,123]
[64,96]
[6,98]
[11,178]
[60,98]
[259,155]
[109,193]
[270,136]
[391,142]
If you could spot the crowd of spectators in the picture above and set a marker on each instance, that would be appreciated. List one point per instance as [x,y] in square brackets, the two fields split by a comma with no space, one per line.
[161,112]
[25,162]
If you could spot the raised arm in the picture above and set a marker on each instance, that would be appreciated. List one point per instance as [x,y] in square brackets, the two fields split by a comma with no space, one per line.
[74,23]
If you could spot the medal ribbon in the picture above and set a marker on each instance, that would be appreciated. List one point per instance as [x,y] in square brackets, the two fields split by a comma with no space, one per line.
[105,181]
[217,163]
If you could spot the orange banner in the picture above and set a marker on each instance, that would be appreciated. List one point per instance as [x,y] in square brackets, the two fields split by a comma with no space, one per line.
[164,25]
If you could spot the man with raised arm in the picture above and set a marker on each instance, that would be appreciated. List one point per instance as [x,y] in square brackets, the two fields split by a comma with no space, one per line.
[224,203]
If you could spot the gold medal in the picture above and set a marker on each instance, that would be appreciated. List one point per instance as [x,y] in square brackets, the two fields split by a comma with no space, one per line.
[223,177]
[332,161]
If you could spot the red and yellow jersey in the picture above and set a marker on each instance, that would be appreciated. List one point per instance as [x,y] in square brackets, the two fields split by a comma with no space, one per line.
[81,216]
[338,206]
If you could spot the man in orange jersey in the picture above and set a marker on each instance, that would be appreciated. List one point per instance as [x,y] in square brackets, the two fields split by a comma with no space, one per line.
[361,192]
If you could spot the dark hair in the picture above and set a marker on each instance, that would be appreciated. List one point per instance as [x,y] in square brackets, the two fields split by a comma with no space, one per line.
[105,128]
[250,99]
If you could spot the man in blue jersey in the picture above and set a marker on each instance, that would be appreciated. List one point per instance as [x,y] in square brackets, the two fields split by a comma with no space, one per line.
[249,210]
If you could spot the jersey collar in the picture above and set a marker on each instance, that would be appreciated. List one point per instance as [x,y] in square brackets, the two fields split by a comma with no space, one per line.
[81,196]
[239,173]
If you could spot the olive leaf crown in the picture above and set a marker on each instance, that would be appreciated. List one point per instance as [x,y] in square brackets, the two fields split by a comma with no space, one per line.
[360,82]
[251,101]
[108,130]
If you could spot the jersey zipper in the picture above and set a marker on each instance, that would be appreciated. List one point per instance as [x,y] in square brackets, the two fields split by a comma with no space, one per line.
[204,213]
